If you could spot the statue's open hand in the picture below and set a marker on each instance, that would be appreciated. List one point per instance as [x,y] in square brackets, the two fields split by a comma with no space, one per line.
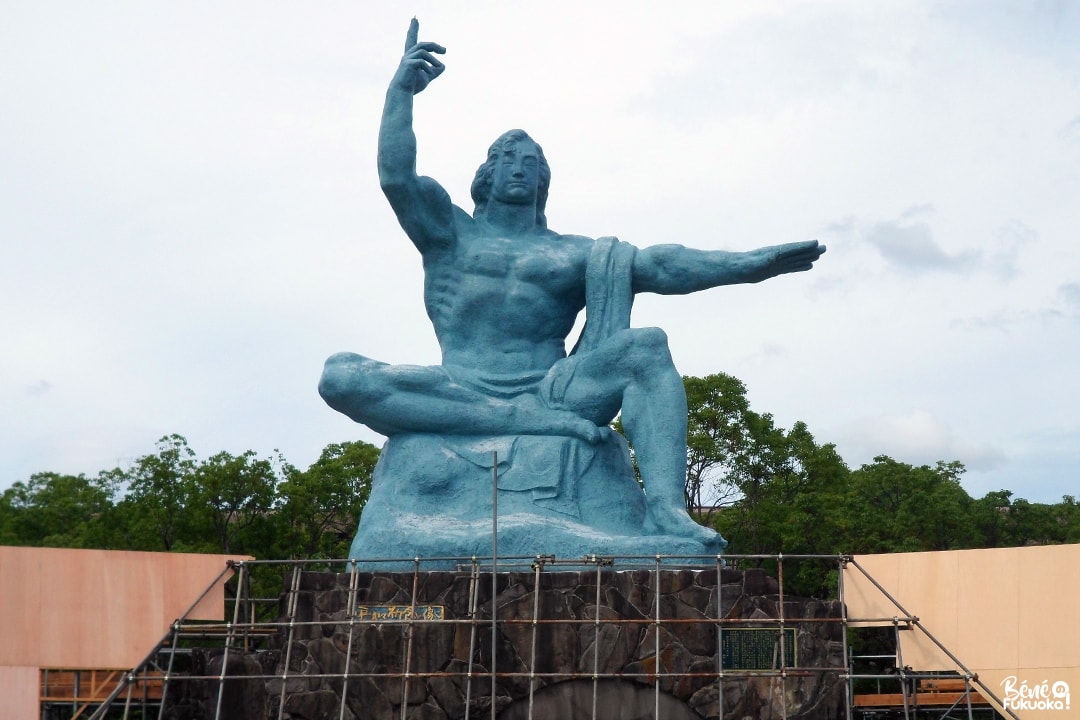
[419,66]
[561,422]
[787,258]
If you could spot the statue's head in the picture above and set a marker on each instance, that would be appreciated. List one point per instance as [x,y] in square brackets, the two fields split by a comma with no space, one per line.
[481,185]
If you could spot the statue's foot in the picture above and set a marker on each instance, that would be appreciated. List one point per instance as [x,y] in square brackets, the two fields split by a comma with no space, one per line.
[667,519]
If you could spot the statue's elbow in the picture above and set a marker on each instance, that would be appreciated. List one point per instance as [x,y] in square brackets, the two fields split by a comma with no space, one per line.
[395,186]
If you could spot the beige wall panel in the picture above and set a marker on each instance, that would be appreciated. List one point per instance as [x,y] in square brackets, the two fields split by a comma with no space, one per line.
[862,598]
[931,577]
[19,692]
[988,606]
[1007,613]
[20,607]
[1050,606]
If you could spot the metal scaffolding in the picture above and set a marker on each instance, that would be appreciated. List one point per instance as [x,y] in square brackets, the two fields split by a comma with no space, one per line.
[255,623]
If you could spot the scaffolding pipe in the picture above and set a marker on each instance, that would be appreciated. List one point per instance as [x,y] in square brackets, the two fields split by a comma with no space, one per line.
[902,669]
[290,611]
[849,690]
[474,589]
[409,628]
[656,648]
[229,640]
[535,616]
[350,610]
[494,575]
[719,639]
[596,642]
[783,652]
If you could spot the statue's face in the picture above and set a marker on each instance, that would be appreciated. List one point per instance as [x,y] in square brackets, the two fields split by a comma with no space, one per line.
[516,179]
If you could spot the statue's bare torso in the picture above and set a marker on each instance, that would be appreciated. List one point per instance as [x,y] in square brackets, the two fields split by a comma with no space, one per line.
[504,304]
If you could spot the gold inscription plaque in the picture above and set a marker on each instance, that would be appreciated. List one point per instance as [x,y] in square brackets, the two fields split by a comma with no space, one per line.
[400,613]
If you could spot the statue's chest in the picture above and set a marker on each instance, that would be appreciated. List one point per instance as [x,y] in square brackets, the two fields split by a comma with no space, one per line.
[551,265]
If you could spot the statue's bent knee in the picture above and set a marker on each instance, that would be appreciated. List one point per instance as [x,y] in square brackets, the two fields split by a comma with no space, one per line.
[649,345]
[650,337]
[346,378]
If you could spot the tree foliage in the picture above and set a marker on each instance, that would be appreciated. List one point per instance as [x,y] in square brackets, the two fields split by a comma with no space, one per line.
[320,507]
[169,500]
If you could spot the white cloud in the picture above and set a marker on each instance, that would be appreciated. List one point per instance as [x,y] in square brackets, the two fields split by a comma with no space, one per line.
[916,437]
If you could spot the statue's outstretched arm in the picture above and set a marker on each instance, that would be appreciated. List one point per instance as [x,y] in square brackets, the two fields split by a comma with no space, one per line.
[422,206]
[677,270]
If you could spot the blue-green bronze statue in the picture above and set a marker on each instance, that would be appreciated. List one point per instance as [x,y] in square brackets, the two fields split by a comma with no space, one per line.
[503,292]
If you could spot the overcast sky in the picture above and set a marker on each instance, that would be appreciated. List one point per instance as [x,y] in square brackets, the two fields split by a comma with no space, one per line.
[190,217]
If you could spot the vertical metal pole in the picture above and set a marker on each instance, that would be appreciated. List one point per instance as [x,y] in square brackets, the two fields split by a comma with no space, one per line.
[168,670]
[474,589]
[656,645]
[290,611]
[841,567]
[532,653]
[409,628]
[783,640]
[596,643]
[230,635]
[350,608]
[245,591]
[494,575]
[719,641]
[900,668]
[127,700]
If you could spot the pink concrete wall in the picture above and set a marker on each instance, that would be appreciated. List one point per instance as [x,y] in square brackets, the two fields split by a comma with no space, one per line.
[19,692]
[63,608]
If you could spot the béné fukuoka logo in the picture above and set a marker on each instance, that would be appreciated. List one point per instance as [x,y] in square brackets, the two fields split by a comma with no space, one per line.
[1038,696]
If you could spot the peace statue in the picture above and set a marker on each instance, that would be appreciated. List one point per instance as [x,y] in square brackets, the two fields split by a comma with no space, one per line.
[503,292]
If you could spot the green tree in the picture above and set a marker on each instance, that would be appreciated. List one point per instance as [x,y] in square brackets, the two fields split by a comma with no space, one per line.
[716,439]
[1068,511]
[232,497]
[1035,524]
[897,507]
[320,507]
[158,486]
[990,518]
[55,510]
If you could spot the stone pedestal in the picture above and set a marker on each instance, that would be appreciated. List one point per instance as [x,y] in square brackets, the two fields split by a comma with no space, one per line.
[580,656]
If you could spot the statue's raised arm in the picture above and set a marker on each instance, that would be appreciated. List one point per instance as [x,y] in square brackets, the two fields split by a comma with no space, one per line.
[422,206]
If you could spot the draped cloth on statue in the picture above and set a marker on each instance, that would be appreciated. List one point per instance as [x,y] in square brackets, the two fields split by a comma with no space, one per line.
[431,494]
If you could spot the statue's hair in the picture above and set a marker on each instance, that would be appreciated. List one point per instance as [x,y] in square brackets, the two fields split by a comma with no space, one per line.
[481,185]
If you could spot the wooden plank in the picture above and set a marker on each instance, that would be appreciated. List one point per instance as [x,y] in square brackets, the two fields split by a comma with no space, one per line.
[923,699]
[942,685]
[94,685]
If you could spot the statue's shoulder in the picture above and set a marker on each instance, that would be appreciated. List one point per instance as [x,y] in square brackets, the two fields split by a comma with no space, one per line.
[462,218]
[576,241]
[461,225]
